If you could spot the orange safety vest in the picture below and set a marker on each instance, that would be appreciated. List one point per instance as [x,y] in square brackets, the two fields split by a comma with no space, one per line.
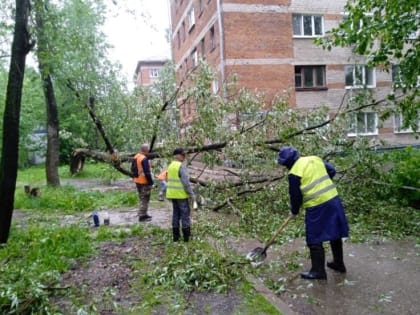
[141,179]
[163,176]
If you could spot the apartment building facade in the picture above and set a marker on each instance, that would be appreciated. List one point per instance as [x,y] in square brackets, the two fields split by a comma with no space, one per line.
[148,72]
[269,46]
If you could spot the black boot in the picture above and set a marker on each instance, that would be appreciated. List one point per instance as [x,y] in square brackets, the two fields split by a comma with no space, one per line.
[186,232]
[176,234]
[337,251]
[318,263]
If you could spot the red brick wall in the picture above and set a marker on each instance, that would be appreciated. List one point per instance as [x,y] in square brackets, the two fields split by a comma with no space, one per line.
[257,35]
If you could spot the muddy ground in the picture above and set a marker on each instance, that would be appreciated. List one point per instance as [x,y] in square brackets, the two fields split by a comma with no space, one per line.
[383,276]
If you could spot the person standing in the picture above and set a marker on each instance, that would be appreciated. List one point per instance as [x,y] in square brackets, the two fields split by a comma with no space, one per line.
[178,190]
[141,169]
[310,185]
[162,178]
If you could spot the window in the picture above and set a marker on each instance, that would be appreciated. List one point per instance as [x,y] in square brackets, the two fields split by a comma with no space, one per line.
[399,124]
[359,21]
[396,76]
[308,25]
[191,18]
[194,57]
[183,31]
[212,43]
[362,124]
[308,77]
[154,73]
[359,76]
[203,48]
[178,37]
[200,6]
[215,86]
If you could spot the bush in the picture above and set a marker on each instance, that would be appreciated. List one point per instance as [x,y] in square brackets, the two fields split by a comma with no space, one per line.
[404,176]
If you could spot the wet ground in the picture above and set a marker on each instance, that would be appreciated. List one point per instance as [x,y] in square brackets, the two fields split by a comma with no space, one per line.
[383,276]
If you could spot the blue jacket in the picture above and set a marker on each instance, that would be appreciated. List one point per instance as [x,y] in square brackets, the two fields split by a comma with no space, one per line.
[324,222]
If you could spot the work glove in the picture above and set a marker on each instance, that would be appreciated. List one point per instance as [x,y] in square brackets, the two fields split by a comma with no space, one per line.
[194,202]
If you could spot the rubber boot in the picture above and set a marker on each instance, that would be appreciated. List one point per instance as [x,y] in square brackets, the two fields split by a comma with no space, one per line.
[318,263]
[337,251]
[176,234]
[186,232]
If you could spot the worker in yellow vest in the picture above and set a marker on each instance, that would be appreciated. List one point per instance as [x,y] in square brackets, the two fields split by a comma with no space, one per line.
[310,185]
[142,177]
[179,190]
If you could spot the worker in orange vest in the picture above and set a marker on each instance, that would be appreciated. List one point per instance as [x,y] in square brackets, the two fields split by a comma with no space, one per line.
[142,177]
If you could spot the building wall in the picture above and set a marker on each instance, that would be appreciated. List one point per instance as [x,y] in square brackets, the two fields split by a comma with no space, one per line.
[253,40]
[146,71]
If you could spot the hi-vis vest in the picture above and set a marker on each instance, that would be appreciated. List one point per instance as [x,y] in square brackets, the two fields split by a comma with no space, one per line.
[175,188]
[141,179]
[315,184]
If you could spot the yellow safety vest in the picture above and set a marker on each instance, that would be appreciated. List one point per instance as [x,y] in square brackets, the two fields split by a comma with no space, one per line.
[315,184]
[175,188]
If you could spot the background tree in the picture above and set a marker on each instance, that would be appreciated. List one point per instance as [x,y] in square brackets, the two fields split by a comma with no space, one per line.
[45,48]
[388,34]
[9,159]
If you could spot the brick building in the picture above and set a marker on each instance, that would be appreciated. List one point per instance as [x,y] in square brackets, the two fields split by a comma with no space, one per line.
[268,45]
[148,72]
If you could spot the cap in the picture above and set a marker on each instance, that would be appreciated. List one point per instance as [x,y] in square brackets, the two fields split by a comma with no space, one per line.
[179,151]
[287,156]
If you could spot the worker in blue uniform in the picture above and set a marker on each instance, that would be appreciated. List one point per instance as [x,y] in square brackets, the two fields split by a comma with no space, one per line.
[311,186]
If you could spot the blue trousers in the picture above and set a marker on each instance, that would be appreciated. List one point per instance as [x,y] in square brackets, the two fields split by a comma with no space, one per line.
[181,212]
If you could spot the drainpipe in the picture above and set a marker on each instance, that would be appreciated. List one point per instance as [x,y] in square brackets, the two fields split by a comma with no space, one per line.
[221,45]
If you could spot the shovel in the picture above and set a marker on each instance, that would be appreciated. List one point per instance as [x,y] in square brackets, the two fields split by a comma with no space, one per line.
[257,255]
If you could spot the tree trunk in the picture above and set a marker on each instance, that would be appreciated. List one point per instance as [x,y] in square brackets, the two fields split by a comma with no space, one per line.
[53,145]
[11,118]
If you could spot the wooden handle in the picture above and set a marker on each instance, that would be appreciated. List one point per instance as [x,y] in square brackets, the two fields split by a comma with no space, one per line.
[271,240]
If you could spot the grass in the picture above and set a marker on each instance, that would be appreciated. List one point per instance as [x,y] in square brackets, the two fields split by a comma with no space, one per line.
[32,261]
[67,199]
[254,303]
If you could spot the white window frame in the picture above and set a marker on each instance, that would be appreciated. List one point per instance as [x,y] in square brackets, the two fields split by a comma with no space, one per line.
[347,14]
[399,121]
[154,72]
[301,17]
[215,86]
[364,84]
[365,122]
[191,17]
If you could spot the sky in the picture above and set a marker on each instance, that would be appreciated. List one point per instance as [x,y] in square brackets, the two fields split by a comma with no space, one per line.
[136,37]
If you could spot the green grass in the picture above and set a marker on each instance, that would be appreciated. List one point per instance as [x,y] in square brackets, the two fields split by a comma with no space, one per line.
[31,263]
[254,303]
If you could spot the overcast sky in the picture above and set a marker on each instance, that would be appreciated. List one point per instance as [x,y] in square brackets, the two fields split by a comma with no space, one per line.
[138,37]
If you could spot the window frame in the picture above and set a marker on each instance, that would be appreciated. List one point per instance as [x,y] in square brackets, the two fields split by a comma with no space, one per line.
[354,78]
[194,57]
[191,18]
[212,38]
[154,73]
[366,126]
[302,26]
[398,129]
[302,75]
